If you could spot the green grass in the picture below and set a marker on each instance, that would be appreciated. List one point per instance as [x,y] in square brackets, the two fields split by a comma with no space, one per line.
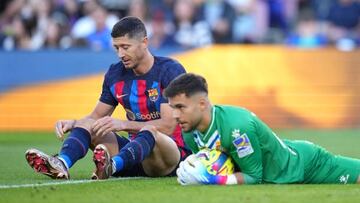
[15,171]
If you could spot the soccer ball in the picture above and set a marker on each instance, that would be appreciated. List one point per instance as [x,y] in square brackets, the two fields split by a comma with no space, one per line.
[215,161]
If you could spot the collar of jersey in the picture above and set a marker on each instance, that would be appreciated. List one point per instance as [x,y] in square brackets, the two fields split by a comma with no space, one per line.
[207,132]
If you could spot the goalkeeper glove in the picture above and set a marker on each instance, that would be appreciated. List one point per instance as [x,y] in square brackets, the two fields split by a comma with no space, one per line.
[192,171]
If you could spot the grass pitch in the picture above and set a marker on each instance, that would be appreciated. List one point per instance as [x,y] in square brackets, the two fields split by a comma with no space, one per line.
[18,183]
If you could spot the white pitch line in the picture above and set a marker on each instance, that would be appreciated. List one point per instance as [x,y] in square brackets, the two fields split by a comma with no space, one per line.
[66,182]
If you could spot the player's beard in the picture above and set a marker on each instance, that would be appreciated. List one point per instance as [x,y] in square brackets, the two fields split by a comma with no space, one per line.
[134,62]
[193,125]
[131,65]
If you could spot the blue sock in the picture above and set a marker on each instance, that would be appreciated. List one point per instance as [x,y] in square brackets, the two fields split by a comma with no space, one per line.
[117,161]
[134,152]
[75,146]
[122,141]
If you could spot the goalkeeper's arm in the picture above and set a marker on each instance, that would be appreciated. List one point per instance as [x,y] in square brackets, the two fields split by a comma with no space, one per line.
[192,171]
[241,178]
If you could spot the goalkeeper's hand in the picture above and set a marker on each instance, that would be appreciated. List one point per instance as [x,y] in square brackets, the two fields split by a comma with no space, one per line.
[184,177]
[191,172]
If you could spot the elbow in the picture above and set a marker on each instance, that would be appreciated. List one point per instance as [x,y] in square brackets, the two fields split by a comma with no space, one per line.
[257,179]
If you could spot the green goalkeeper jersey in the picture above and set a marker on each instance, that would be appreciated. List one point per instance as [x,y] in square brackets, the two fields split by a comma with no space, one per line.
[254,147]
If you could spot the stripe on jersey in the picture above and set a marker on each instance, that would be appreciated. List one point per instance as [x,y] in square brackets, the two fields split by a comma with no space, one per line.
[211,124]
[214,137]
[142,98]
[198,140]
[134,99]
[126,99]
[119,92]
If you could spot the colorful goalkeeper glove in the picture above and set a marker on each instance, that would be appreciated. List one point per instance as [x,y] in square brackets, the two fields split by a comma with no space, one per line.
[192,171]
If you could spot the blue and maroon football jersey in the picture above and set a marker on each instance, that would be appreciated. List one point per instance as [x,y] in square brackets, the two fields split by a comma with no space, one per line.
[141,95]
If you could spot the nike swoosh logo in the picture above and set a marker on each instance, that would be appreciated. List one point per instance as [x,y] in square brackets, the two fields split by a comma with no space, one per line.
[120,96]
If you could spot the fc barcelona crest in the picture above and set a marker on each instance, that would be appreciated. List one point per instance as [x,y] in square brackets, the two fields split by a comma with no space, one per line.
[153,94]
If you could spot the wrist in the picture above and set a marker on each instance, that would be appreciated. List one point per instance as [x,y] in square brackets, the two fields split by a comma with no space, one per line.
[231,180]
[223,180]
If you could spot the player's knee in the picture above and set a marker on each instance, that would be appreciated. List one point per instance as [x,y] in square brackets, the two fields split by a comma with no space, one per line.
[152,129]
[85,123]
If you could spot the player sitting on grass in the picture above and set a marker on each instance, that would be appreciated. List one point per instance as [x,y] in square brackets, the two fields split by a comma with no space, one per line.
[136,82]
[259,154]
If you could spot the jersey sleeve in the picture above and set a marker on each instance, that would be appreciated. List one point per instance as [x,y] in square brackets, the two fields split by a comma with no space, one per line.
[106,95]
[244,147]
[173,70]
[250,164]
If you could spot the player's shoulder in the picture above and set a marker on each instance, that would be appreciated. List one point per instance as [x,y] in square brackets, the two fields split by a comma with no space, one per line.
[233,114]
[115,70]
[230,109]
[161,60]
[168,64]
[116,67]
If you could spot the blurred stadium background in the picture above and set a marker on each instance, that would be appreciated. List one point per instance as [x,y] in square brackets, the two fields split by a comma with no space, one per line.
[295,63]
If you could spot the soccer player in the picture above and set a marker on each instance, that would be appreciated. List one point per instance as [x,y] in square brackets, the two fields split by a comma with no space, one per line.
[259,154]
[155,147]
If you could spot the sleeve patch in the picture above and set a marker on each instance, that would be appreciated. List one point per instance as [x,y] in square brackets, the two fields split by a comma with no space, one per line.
[242,145]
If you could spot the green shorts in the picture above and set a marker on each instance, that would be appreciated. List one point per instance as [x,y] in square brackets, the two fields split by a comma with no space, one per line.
[330,169]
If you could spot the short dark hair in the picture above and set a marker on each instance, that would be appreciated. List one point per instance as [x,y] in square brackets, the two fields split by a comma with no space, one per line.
[131,26]
[188,83]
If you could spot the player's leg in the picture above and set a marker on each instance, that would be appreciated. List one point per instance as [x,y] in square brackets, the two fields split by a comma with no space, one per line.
[338,170]
[157,152]
[164,158]
[322,166]
[77,143]
[358,180]
[74,148]
[104,150]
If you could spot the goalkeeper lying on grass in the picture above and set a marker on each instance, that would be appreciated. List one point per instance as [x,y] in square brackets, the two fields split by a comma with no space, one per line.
[258,153]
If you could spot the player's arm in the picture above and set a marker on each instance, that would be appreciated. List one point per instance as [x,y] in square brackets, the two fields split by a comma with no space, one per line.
[166,124]
[192,172]
[104,108]
[243,147]
[249,161]
[242,178]
[101,109]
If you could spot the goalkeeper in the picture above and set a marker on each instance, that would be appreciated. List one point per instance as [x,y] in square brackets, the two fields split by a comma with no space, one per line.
[259,154]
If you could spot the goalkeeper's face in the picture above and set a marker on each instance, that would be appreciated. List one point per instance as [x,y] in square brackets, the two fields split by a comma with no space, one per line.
[189,111]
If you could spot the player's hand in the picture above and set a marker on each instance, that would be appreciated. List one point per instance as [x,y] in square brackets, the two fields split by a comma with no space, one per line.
[183,177]
[106,125]
[62,127]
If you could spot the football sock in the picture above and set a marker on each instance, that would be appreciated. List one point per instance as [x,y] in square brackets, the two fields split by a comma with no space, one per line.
[134,152]
[122,141]
[75,146]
